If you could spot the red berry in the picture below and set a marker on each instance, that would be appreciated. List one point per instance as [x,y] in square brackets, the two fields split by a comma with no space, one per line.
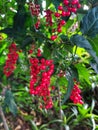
[78,5]
[53,37]
[37,24]
[62,22]
[39,54]
[68,13]
[30,51]
[60,7]
[66,2]
[63,13]
[57,14]
[53,87]
[59,29]
[74,2]
[74,10]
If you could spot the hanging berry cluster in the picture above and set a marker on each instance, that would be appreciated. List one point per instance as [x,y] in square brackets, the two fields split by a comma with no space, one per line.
[41,71]
[12,58]
[59,23]
[35,11]
[75,95]
[70,6]
[64,10]
[54,20]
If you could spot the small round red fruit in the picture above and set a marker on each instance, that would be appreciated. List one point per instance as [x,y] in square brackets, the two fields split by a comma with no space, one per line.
[60,7]
[74,10]
[63,13]
[74,2]
[62,22]
[68,13]
[66,2]
[57,14]
[78,5]
[59,29]
[53,37]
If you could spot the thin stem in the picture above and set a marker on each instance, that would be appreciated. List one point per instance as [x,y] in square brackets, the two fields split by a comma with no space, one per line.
[60,111]
[3,118]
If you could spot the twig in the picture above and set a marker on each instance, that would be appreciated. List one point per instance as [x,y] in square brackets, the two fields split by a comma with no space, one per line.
[3,118]
[60,111]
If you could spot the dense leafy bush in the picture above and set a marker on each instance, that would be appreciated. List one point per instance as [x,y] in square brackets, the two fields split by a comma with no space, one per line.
[49,63]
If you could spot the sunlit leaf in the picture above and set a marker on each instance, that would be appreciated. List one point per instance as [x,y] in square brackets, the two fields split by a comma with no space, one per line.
[81,41]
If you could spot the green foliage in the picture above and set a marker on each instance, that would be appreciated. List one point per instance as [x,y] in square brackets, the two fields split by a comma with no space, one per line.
[69,89]
[81,41]
[48,2]
[71,75]
[89,23]
[75,58]
[94,65]
[9,102]
[83,73]
[94,44]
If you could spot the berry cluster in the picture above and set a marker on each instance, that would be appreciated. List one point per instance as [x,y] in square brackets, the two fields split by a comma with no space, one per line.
[39,53]
[11,60]
[41,71]
[54,19]
[69,6]
[48,17]
[64,10]
[35,11]
[33,48]
[50,23]
[75,95]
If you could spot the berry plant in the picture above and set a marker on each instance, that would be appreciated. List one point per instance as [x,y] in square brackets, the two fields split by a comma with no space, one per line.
[48,64]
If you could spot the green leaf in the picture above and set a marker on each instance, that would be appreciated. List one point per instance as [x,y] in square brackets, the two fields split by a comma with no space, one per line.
[94,66]
[62,81]
[84,43]
[74,72]
[94,43]
[83,72]
[34,126]
[43,126]
[89,23]
[46,51]
[40,2]
[54,121]
[27,40]
[9,102]
[80,41]
[69,89]
[71,75]
[3,47]
[69,23]
[48,2]
[83,111]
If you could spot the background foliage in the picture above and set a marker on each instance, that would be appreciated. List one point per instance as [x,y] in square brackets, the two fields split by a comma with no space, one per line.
[75,54]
